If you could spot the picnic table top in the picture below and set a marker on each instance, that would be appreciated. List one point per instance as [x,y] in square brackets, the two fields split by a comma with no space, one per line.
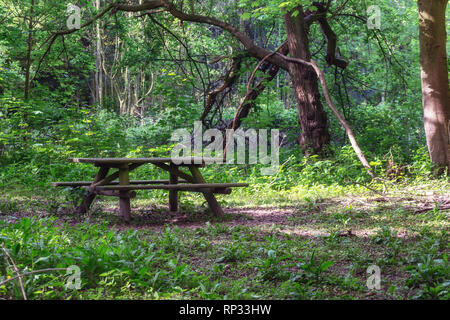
[185,160]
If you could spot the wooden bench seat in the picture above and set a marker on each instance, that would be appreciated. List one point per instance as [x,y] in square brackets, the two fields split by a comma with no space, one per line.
[222,188]
[88,183]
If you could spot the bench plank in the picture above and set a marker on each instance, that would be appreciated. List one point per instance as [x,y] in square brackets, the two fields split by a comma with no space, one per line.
[115,161]
[195,186]
[88,183]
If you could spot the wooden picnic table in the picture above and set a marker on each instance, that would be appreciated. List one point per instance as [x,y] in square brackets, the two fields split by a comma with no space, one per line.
[104,182]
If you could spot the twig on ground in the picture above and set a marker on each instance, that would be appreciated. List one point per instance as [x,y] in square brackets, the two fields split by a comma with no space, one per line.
[31,272]
[432,208]
[16,270]
[371,189]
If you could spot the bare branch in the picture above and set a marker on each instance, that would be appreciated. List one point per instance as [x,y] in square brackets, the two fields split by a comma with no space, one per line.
[248,101]
[31,272]
[229,79]
[54,36]
[16,270]
[250,46]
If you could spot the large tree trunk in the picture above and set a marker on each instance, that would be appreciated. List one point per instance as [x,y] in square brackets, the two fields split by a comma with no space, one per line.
[435,96]
[312,117]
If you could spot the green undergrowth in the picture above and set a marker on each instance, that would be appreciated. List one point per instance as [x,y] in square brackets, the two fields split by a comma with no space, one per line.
[320,248]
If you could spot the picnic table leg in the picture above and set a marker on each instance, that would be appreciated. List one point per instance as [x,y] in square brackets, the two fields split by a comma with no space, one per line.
[124,200]
[89,198]
[173,194]
[209,196]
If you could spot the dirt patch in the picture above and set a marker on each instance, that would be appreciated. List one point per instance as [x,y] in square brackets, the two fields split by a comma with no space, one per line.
[303,219]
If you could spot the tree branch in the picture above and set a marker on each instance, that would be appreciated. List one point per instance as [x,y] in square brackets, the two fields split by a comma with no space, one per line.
[248,101]
[250,46]
[16,271]
[55,35]
[230,78]
[330,37]
[333,108]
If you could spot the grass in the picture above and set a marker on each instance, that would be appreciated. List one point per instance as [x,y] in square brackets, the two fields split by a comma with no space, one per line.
[301,243]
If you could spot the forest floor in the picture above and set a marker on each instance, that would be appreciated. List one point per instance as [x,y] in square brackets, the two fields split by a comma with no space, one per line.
[316,247]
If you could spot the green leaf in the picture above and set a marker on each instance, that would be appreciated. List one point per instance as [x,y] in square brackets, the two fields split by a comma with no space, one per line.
[246,15]
[285,4]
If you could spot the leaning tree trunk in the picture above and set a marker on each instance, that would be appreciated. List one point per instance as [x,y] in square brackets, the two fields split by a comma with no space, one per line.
[434,73]
[312,117]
